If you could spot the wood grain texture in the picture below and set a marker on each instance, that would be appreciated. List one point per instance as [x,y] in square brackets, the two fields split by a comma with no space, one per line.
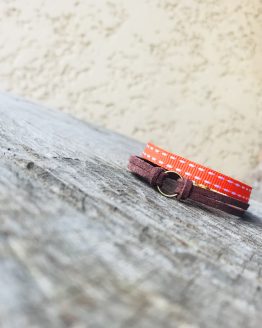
[83,243]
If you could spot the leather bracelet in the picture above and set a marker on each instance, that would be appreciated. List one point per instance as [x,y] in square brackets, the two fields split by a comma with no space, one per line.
[172,184]
[200,175]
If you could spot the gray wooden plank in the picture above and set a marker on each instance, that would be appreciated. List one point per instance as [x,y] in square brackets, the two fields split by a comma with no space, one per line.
[86,244]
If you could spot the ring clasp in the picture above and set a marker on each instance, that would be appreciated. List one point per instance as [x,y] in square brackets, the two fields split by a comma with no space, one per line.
[169,195]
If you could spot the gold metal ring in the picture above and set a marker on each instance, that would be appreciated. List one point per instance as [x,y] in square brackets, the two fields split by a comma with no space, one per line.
[167,195]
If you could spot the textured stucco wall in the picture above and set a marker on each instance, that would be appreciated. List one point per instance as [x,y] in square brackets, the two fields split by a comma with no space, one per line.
[185,74]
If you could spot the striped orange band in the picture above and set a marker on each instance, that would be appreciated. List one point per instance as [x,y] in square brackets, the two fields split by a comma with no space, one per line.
[199,174]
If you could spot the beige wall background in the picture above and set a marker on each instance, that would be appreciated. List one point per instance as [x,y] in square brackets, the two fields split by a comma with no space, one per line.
[186,75]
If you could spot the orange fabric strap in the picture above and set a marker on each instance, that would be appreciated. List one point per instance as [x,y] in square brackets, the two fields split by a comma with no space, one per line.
[199,174]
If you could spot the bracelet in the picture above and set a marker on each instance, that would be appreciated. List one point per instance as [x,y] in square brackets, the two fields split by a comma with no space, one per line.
[172,184]
[200,175]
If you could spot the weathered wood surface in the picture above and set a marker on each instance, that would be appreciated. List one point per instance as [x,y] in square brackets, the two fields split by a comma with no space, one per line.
[86,244]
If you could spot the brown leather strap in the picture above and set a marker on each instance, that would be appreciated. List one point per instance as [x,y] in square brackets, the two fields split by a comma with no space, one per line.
[184,188]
